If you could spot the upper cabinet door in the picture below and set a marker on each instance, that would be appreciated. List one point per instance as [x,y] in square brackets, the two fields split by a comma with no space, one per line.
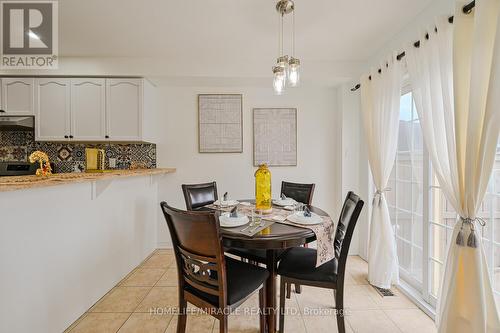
[124,109]
[88,108]
[18,96]
[53,109]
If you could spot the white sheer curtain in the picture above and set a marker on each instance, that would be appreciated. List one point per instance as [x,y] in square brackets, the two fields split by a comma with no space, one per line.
[380,98]
[455,76]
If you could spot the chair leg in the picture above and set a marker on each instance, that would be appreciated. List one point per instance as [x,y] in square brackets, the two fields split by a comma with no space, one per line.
[181,320]
[288,290]
[339,308]
[298,289]
[223,324]
[281,312]
[262,307]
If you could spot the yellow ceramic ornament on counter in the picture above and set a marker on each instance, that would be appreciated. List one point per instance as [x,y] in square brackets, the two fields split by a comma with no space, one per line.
[263,198]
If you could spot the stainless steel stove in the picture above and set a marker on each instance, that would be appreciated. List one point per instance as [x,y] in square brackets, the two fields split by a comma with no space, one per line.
[17,168]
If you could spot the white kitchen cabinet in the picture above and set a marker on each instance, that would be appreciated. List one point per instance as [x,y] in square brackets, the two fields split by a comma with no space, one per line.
[53,109]
[124,109]
[88,109]
[18,96]
[94,109]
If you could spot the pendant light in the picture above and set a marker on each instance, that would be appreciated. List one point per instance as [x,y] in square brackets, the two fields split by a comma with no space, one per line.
[286,71]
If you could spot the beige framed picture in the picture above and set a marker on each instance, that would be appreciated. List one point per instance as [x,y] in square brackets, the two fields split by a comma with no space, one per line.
[275,136]
[220,123]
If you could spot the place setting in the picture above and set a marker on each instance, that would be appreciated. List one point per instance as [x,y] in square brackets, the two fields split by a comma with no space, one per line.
[236,214]
[243,217]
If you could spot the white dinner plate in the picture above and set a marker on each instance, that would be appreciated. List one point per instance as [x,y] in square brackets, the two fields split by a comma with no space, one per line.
[228,203]
[299,218]
[230,222]
[283,203]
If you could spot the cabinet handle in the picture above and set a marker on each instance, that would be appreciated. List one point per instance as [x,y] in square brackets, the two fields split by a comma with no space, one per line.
[107,136]
[65,136]
[2,111]
[71,136]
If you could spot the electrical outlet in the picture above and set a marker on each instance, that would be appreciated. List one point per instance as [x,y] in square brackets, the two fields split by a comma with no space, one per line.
[112,162]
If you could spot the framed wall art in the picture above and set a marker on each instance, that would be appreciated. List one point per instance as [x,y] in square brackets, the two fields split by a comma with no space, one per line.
[275,136]
[220,123]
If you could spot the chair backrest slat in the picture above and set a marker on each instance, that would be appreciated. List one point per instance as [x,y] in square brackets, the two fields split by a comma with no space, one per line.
[202,271]
[199,195]
[299,192]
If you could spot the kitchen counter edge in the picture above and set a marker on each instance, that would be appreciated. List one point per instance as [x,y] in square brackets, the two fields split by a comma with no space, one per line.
[16,183]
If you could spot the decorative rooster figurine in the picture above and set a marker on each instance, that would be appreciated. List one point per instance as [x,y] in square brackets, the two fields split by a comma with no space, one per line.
[43,159]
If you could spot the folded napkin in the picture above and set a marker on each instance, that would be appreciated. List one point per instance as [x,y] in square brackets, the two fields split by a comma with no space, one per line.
[307,212]
[234,212]
[244,203]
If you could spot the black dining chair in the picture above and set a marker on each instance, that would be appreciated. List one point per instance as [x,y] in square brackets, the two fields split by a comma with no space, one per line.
[299,192]
[206,277]
[298,265]
[197,196]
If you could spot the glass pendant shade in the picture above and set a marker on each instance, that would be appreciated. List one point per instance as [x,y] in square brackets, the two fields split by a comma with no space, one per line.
[293,72]
[278,80]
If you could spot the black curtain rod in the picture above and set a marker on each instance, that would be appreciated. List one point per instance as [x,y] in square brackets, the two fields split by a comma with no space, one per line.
[467,9]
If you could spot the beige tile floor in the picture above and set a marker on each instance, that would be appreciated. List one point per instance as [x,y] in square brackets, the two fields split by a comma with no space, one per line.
[153,284]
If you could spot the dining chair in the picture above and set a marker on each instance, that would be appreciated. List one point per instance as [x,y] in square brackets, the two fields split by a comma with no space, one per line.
[299,192]
[206,277]
[197,196]
[298,265]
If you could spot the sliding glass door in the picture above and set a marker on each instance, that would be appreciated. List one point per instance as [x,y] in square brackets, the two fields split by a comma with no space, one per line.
[422,217]
[405,198]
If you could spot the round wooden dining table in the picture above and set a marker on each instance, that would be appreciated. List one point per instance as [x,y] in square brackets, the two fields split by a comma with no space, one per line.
[277,236]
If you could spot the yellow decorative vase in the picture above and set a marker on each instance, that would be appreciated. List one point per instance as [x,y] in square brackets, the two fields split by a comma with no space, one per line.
[263,198]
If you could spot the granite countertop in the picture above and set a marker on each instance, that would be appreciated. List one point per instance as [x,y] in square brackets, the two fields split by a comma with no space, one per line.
[26,182]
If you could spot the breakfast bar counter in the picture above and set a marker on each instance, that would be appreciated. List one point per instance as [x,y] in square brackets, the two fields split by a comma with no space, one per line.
[63,247]
[26,182]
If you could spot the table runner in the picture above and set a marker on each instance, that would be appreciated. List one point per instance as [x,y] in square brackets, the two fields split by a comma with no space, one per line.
[324,232]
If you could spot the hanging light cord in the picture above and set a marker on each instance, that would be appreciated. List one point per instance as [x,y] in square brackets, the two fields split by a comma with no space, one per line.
[279,36]
[282,37]
[293,33]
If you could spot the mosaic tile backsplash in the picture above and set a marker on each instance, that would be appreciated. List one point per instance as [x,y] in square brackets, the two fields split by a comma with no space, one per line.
[17,146]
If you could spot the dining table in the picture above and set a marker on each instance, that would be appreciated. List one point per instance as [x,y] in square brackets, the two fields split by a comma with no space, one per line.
[273,239]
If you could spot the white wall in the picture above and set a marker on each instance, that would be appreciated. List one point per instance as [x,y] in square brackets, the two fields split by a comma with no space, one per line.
[319,154]
[354,161]
[414,30]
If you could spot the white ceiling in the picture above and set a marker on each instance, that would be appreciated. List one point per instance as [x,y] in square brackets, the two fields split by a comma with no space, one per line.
[236,33]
